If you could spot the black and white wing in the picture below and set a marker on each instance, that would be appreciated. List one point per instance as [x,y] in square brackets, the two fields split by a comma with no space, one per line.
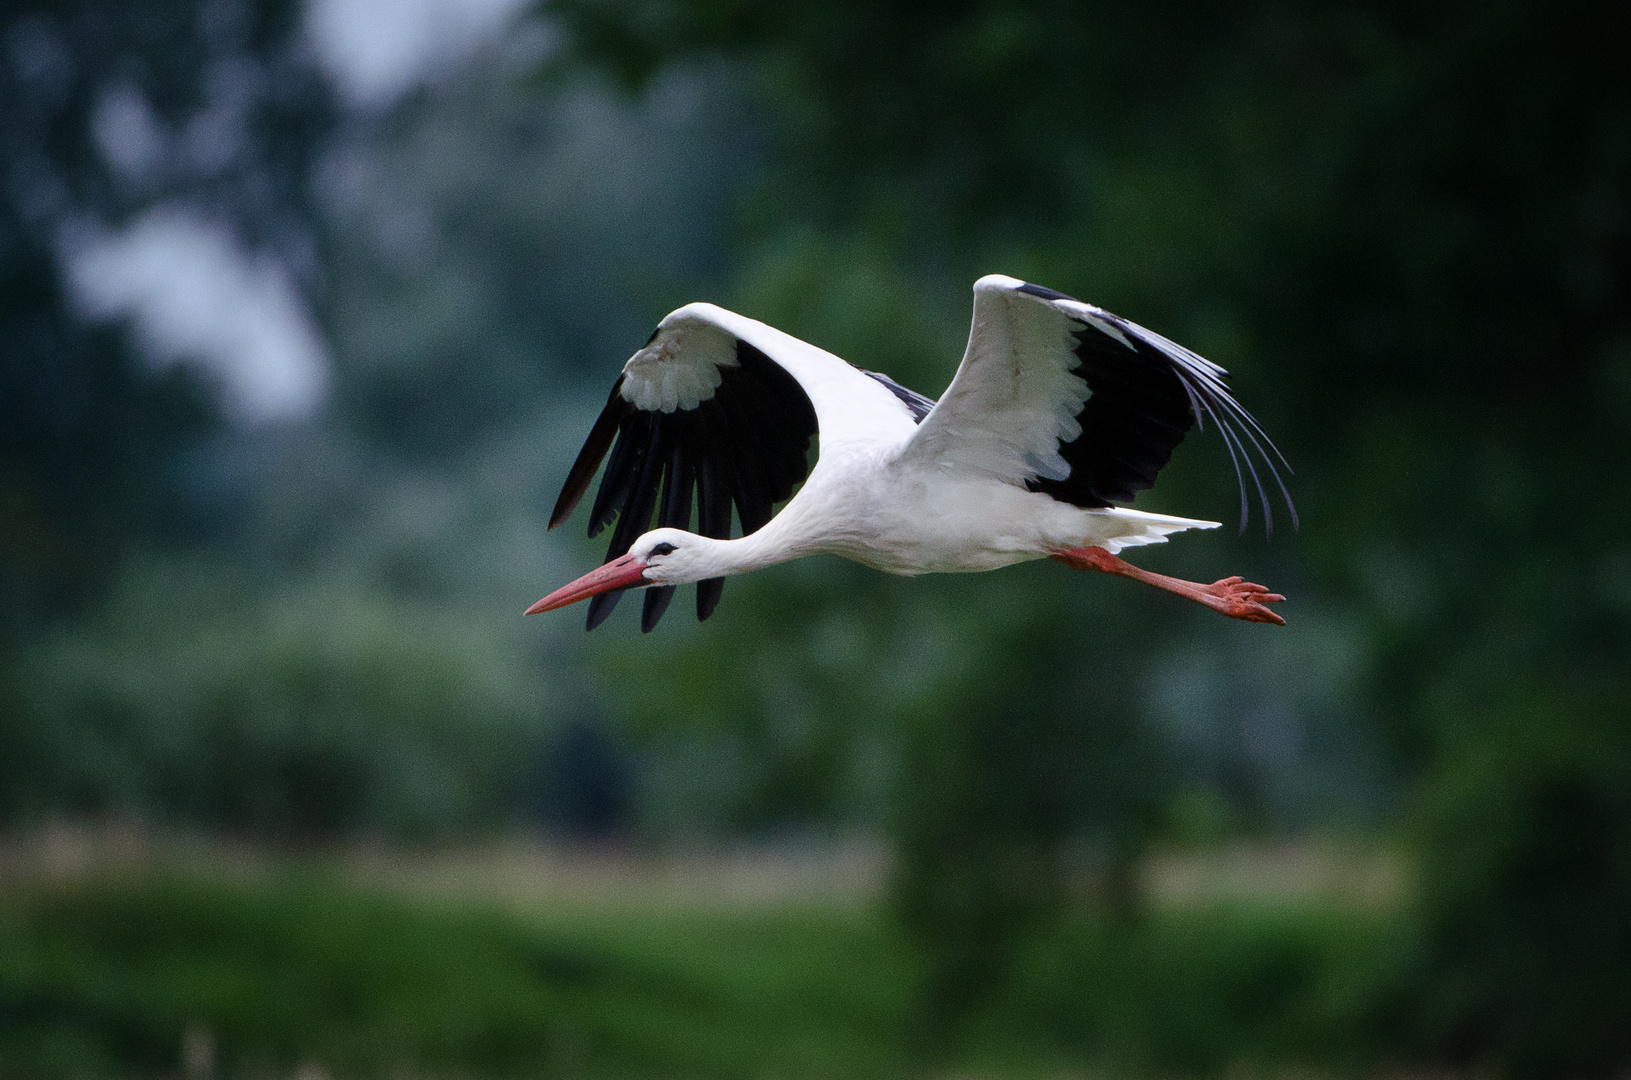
[1080,404]
[719,410]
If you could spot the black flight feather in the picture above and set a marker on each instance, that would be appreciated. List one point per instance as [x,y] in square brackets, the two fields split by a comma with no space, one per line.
[713,519]
[673,513]
[622,471]
[1136,415]
[1146,394]
[747,443]
[589,458]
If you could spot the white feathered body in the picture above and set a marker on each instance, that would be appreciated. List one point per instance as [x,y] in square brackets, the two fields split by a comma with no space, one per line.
[907,518]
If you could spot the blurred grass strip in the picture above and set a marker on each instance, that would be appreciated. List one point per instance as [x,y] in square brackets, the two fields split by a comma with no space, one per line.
[105,976]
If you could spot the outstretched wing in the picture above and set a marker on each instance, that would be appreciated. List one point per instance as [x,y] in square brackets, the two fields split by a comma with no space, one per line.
[1080,404]
[718,410]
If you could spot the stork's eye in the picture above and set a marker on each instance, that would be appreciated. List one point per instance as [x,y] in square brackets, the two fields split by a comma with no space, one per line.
[662,549]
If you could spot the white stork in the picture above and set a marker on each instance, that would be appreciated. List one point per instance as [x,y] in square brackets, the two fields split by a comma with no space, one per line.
[1059,410]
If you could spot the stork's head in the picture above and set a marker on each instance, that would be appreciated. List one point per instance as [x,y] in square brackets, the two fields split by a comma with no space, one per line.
[676,557]
[660,557]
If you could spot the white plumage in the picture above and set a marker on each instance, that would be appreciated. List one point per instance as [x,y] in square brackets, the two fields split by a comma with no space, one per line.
[1058,410]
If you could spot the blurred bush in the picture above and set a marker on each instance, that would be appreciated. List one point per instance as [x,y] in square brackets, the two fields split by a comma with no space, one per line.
[1525,834]
[307,710]
[115,978]
[108,977]
[1022,779]
[1228,988]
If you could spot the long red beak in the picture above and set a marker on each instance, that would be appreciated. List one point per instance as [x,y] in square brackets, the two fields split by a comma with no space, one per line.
[618,574]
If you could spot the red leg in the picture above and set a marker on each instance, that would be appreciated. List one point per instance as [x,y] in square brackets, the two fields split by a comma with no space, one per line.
[1233,596]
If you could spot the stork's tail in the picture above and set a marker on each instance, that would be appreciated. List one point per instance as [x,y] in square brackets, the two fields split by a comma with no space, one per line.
[1125,528]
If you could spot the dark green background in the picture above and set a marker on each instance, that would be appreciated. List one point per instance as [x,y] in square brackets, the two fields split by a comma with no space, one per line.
[1406,230]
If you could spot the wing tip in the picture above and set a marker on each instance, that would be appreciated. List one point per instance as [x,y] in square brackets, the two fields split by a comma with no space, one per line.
[1004,283]
[997,283]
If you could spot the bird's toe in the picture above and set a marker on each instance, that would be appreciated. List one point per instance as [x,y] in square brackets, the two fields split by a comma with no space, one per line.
[1258,613]
[1241,599]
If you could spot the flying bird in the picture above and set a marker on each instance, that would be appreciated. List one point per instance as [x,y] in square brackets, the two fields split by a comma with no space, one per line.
[1059,411]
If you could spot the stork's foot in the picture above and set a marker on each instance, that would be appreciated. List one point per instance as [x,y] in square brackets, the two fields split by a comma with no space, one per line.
[1240,599]
[1232,596]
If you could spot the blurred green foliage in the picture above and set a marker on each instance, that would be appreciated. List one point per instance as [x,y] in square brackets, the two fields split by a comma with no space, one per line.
[1529,915]
[311,711]
[107,977]
[1247,987]
[1406,230]
[107,981]
[95,442]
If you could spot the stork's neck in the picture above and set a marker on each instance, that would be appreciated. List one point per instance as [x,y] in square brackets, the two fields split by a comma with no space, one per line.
[767,547]
[783,538]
